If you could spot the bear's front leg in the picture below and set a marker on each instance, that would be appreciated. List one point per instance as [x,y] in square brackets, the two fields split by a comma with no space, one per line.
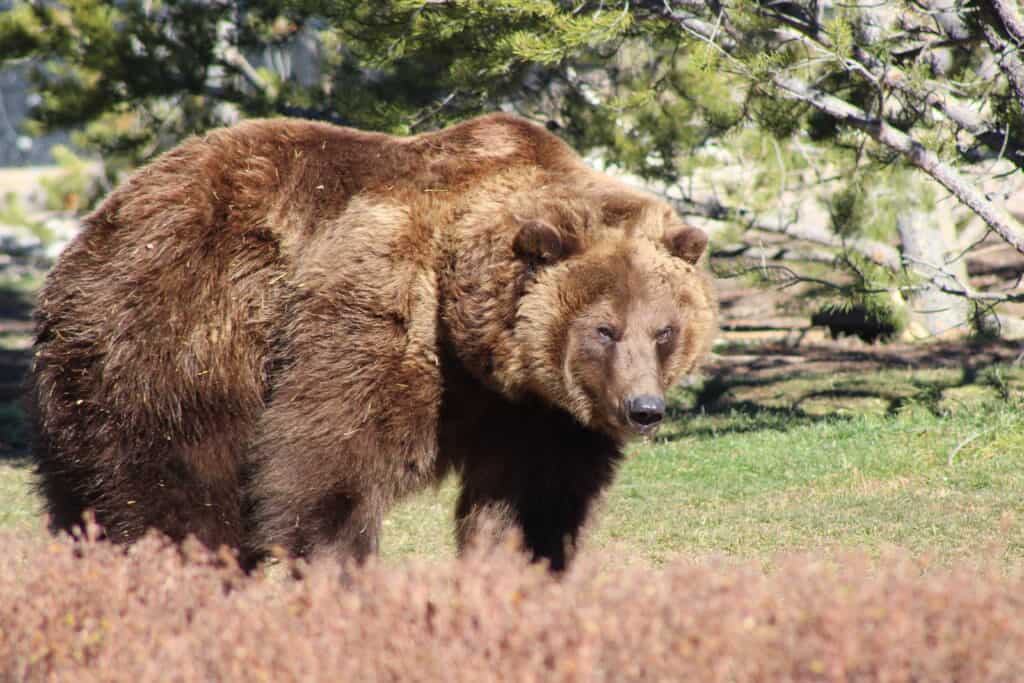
[535,470]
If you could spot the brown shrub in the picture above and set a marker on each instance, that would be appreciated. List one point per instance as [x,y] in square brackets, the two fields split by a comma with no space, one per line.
[91,611]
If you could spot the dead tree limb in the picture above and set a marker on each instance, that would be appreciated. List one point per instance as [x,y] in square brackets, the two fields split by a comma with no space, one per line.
[1002,20]
[912,150]
[877,252]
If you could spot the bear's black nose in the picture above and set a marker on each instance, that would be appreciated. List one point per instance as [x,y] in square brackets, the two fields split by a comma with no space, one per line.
[646,410]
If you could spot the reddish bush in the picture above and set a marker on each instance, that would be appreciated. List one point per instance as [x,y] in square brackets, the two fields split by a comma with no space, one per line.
[91,612]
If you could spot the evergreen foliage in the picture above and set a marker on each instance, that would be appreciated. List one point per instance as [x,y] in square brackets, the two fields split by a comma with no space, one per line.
[722,105]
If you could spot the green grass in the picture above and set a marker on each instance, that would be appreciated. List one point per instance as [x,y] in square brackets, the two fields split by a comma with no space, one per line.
[866,481]
[929,461]
[422,524]
[19,508]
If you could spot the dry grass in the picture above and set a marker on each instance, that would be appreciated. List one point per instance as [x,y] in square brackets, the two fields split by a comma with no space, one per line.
[90,612]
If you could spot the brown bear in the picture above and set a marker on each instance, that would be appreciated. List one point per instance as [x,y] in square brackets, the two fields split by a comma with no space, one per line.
[272,332]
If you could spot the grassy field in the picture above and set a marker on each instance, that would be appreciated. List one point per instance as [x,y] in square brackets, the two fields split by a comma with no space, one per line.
[931,461]
[921,462]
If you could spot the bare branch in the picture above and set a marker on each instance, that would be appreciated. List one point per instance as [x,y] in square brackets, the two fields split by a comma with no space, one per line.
[1011,22]
[773,252]
[786,277]
[687,20]
[1008,59]
[951,107]
[432,110]
[1001,19]
[911,149]
[930,92]
[882,132]
[231,56]
[877,252]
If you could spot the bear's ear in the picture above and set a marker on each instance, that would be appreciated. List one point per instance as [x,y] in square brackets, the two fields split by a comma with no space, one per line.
[539,242]
[686,242]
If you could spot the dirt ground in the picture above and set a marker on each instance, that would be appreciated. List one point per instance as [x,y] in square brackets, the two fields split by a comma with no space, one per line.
[766,332]
[761,340]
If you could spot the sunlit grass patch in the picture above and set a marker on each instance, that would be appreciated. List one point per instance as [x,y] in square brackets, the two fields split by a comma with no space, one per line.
[19,506]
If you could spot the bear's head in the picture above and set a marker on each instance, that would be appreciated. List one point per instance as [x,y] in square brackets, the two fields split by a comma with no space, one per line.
[606,332]
[595,302]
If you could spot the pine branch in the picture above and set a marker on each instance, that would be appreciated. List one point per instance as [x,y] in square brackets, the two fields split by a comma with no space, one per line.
[916,153]
[929,91]
[1011,22]
[1001,18]
[844,112]
[785,277]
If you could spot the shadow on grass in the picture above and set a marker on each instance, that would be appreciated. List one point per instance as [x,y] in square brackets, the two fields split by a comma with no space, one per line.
[710,410]
[16,305]
[970,355]
[14,437]
[739,417]
[780,388]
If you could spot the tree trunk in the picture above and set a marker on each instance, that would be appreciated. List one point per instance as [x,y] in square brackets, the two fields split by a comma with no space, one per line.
[933,313]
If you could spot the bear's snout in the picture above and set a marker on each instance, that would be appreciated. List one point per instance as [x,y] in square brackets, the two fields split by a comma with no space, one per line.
[645,412]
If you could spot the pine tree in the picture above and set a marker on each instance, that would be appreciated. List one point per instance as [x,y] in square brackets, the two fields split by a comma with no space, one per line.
[858,131]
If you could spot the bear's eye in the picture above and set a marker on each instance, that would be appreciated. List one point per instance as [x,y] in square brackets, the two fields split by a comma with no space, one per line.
[664,335]
[606,333]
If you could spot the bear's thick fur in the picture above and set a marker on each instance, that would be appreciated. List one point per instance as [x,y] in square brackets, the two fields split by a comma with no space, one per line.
[272,332]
